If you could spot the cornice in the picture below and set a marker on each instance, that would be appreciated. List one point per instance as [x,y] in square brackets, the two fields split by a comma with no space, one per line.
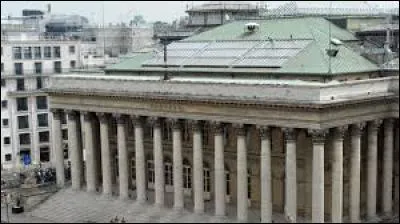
[314,107]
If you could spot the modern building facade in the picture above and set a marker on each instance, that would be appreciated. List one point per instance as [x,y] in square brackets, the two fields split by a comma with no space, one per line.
[254,118]
[26,65]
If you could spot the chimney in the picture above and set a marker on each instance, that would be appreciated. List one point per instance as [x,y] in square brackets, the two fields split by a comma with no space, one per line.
[49,8]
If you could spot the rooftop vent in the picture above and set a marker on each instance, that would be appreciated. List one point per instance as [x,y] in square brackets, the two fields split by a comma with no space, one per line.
[336,42]
[251,27]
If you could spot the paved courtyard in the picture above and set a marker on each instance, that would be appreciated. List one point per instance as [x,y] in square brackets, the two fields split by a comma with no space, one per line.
[70,206]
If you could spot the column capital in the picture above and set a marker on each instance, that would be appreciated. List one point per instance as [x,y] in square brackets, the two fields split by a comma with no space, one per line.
[290,134]
[374,124]
[318,135]
[175,123]
[357,129]
[56,113]
[217,127]
[264,131]
[87,116]
[240,129]
[388,122]
[154,121]
[196,125]
[71,114]
[137,120]
[340,131]
[103,117]
[120,118]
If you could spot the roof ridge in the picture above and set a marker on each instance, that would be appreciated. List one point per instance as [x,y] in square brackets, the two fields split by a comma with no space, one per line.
[312,30]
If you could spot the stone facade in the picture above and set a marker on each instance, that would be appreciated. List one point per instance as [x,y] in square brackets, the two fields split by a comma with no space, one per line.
[307,131]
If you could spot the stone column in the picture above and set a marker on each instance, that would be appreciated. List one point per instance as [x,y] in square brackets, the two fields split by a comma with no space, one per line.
[337,175]
[290,175]
[198,178]
[387,168]
[158,162]
[73,146]
[89,151]
[57,147]
[105,153]
[356,132]
[177,161]
[266,180]
[242,187]
[372,169]
[318,140]
[122,157]
[219,170]
[140,160]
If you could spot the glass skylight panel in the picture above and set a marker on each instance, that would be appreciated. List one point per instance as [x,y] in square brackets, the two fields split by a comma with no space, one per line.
[210,62]
[232,44]
[265,52]
[177,53]
[285,44]
[260,62]
[222,53]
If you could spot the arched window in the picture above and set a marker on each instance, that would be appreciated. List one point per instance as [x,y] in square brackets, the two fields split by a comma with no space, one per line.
[168,171]
[187,174]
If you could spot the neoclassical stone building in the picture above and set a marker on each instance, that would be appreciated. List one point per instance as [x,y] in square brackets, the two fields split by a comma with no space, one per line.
[258,119]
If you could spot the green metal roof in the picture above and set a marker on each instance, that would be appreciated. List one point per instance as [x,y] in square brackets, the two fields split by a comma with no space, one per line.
[311,60]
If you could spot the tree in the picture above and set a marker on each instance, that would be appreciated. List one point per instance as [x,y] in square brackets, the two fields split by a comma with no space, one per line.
[138,19]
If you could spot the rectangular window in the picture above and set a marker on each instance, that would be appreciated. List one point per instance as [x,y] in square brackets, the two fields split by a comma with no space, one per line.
[23,122]
[44,154]
[39,83]
[5,122]
[18,68]
[57,52]
[72,49]
[24,139]
[27,52]
[22,104]
[2,67]
[3,104]
[64,134]
[17,52]
[72,64]
[47,52]
[8,157]
[37,52]
[6,140]
[57,67]
[44,136]
[63,118]
[38,67]
[41,102]
[20,84]
[43,120]
[3,82]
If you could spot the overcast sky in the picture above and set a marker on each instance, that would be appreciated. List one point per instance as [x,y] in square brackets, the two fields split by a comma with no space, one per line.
[119,11]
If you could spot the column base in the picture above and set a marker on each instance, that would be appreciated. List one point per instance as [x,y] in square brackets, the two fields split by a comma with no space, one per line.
[199,211]
[387,216]
[373,219]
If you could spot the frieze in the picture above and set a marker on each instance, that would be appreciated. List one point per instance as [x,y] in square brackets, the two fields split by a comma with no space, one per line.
[237,103]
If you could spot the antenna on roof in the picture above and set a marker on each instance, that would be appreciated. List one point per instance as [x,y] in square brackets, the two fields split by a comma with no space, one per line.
[330,37]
